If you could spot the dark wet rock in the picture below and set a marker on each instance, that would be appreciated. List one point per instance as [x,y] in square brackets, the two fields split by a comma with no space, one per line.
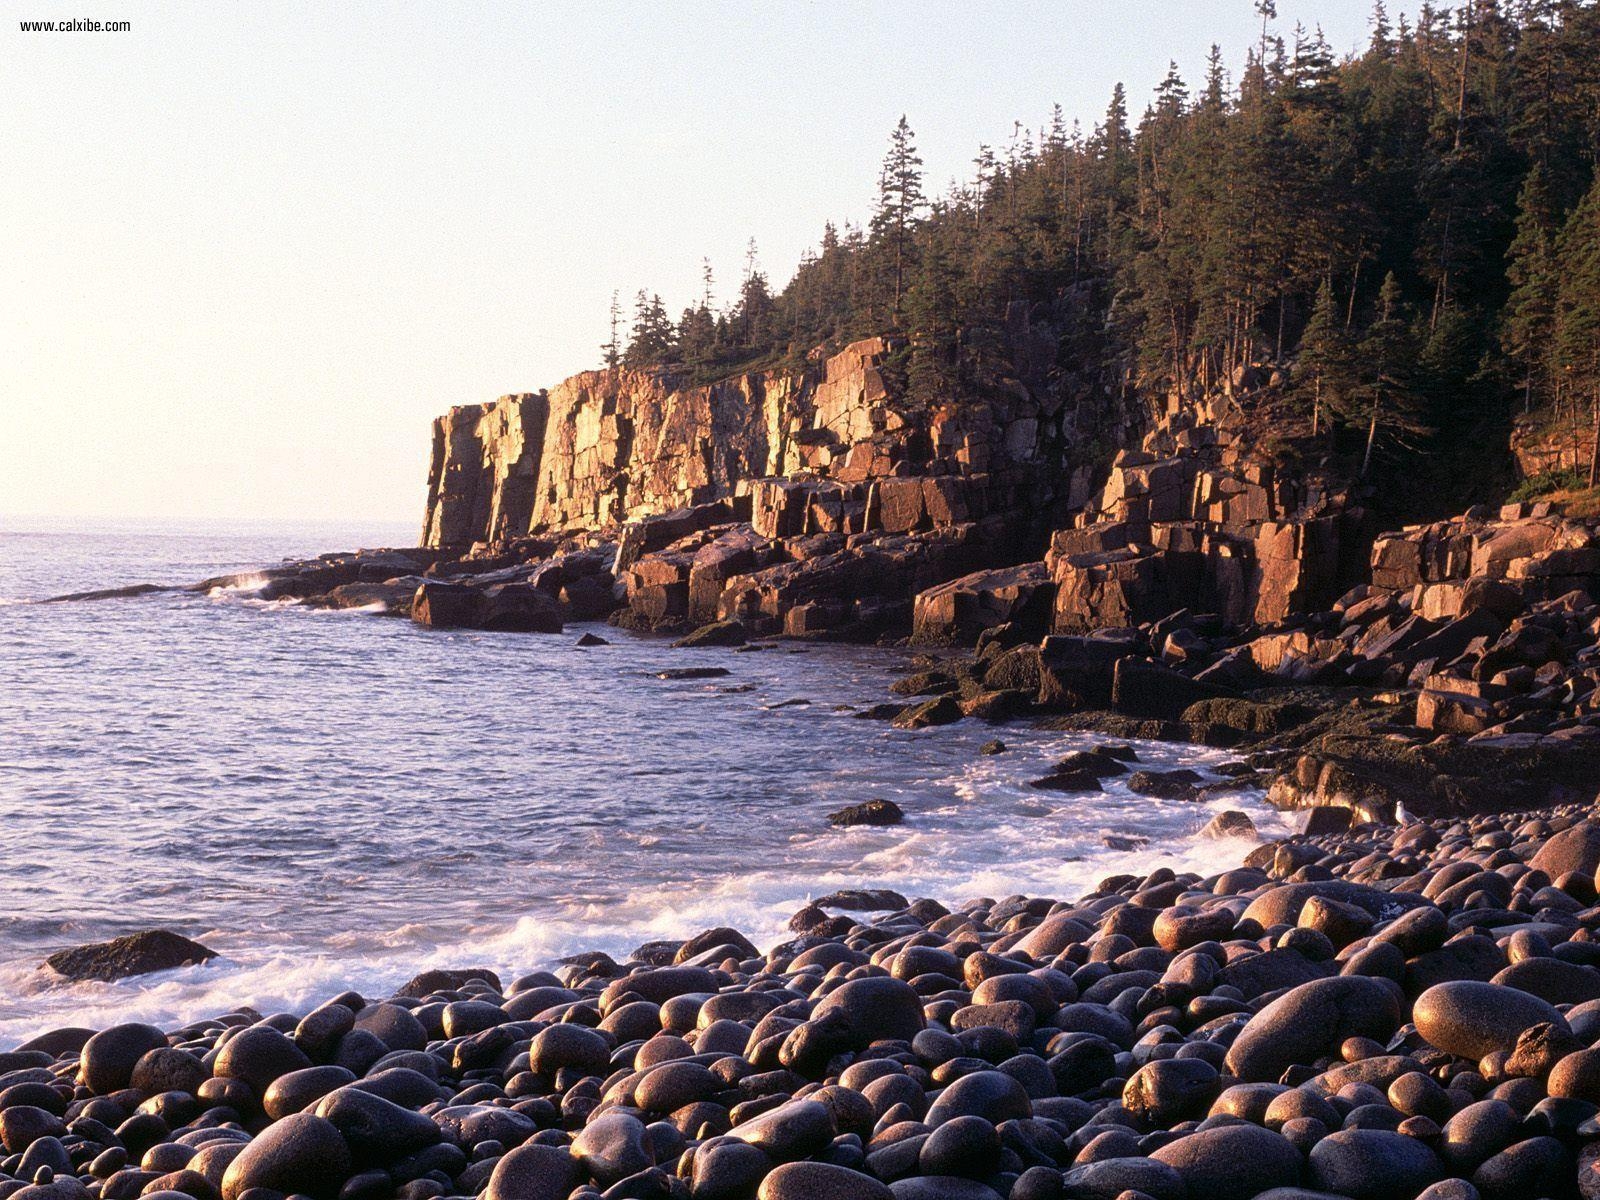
[136,954]
[257,1056]
[1115,1177]
[817,1181]
[870,812]
[863,900]
[1231,1162]
[568,1047]
[301,1153]
[299,1090]
[533,1173]
[1170,1090]
[1473,1019]
[944,710]
[992,1095]
[718,633]
[392,1025]
[876,1008]
[790,1131]
[1311,1020]
[1178,784]
[586,640]
[1372,1164]
[378,1131]
[106,1063]
[612,1147]
[1230,823]
[437,980]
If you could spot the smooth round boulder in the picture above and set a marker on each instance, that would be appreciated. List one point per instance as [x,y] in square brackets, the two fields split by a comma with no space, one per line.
[1231,1162]
[23,1124]
[992,1095]
[1111,1177]
[299,1090]
[107,1060]
[570,1046]
[670,1086]
[965,1146]
[393,1025]
[168,1069]
[532,1173]
[1372,1164]
[728,1169]
[613,1147]
[1471,1019]
[378,1131]
[301,1153]
[1311,1021]
[1171,1089]
[875,1008]
[817,1181]
[794,1130]
[258,1055]
[1577,1076]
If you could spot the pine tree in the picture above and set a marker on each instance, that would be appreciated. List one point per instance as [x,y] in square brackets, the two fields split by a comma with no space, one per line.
[1387,356]
[653,342]
[612,349]
[1577,320]
[1528,320]
[900,200]
[1325,359]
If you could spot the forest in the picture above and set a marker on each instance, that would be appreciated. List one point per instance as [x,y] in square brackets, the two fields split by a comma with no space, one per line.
[1405,242]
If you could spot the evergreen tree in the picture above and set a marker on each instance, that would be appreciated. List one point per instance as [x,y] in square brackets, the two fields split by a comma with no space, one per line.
[1325,358]
[653,342]
[1577,322]
[900,200]
[612,348]
[1528,320]
[1387,356]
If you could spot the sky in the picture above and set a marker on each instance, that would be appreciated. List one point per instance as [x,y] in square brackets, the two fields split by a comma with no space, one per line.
[250,251]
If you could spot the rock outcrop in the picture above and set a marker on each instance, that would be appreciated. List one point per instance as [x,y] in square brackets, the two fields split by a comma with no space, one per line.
[813,500]
[140,953]
[604,448]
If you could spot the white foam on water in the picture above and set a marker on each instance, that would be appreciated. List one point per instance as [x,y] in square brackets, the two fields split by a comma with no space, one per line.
[1031,855]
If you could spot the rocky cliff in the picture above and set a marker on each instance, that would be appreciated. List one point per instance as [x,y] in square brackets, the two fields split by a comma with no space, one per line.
[819,499]
[604,448]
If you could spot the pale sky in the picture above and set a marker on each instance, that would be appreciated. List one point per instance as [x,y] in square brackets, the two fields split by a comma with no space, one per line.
[251,250]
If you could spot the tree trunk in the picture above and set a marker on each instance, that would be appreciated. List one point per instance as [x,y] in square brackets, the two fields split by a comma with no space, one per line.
[1372,436]
[1594,450]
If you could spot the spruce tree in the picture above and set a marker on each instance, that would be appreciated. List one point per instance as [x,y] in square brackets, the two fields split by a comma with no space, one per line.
[1577,320]
[1387,354]
[1325,360]
[1527,322]
[900,200]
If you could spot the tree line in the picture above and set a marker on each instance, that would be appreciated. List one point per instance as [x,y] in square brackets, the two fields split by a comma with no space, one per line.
[1406,240]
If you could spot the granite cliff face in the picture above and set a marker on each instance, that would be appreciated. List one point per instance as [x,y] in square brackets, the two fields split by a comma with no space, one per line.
[601,449]
[820,500]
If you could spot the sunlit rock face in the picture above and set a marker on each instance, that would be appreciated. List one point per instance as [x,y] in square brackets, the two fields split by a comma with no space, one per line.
[604,448]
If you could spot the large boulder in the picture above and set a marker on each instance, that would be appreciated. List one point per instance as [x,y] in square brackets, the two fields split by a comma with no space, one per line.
[302,1153]
[1471,1019]
[1312,1020]
[136,954]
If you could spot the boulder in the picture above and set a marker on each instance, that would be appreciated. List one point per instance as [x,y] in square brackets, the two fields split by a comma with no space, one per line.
[135,954]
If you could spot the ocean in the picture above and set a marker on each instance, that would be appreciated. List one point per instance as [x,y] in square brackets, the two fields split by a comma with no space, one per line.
[341,799]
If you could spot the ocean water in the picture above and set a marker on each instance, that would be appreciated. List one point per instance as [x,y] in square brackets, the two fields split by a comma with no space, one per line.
[340,799]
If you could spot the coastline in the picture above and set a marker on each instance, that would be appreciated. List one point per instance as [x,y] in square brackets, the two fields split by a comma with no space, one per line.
[1299,1019]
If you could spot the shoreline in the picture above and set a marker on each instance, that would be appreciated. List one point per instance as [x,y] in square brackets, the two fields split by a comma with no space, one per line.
[1320,1008]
